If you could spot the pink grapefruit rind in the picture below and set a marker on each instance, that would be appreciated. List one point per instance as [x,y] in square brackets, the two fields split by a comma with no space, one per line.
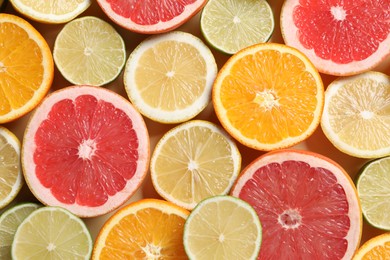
[314,160]
[290,36]
[44,194]
[190,10]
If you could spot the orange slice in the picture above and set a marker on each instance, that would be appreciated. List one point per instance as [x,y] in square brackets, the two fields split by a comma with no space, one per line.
[147,229]
[376,248]
[26,67]
[269,96]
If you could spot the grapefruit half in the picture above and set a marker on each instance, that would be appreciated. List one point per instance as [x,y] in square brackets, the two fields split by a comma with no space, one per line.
[151,16]
[339,37]
[307,204]
[85,149]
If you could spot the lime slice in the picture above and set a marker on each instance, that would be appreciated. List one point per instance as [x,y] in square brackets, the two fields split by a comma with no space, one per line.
[9,222]
[89,51]
[230,25]
[52,233]
[373,186]
[222,227]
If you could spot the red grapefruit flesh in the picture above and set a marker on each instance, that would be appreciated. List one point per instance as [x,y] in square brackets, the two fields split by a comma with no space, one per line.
[150,16]
[339,37]
[307,204]
[85,149]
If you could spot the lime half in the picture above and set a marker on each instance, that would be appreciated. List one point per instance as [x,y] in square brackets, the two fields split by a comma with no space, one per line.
[230,25]
[373,186]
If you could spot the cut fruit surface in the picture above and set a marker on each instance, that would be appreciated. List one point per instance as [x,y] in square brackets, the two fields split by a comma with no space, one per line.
[356,116]
[169,77]
[373,186]
[230,25]
[85,149]
[307,204]
[9,222]
[26,67]
[268,96]
[339,37]
[377,248]
[52,233]
[153,16]
[193,161]
[89,51]
[223,227]
[11,178]
[146,229]
[51,11]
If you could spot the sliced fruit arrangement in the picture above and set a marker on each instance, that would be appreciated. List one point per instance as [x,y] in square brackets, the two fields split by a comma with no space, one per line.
[169,77]
[193,161]
[26,67]
[11,178]
[307,204]
[339,37]
[51,11]
[268,96]
[223,227]
[376,248]
[89,51]
[230,25]
[150,17]
[373,186]
[356,116]
[52,233]
[146,229]
[9,222]
[85,149]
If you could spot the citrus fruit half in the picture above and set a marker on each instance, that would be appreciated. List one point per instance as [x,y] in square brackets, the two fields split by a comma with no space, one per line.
[26,67]
[307,204]
[85,149]
[11,177]
[169,77]
[193,161]
[377,248]
[51,11]
[150,17]
[356,115]
[89,51]
[52,233]
[268,96]
[146,229]
[374,192]
[223,227]
[339,37]
[230,26]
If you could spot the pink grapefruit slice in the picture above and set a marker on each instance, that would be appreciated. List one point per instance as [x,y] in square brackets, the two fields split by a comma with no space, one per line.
[307,204]
[339,37]
[152,16]
[85,149]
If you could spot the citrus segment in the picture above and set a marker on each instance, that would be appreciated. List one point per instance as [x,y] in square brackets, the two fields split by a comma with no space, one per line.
[151,17]
[356,116]
[193,161]
[85,149]
[11,178]
[9,222]
[26,67]
[169,77]
[268,96]
[146,229]
[89,51]
[307,204]
[377,248]
[230,26]
[222,227]
[51,11]
[373,186]
[339,37]
[52,233]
